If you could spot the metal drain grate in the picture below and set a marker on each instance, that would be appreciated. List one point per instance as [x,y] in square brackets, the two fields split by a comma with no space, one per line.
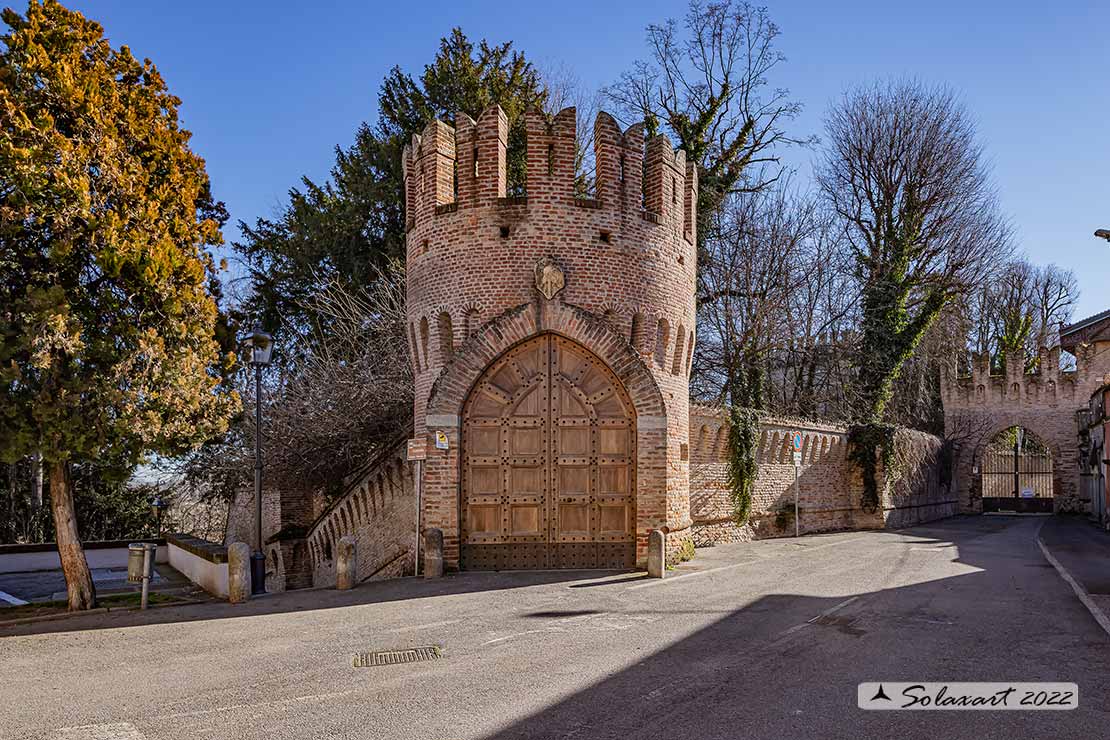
[393,657]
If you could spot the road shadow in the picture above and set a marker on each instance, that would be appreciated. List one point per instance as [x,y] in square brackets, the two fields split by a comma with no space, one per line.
[752,673]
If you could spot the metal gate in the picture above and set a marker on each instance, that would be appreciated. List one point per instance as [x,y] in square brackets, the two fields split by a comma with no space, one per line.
[1016,473]
[549,473]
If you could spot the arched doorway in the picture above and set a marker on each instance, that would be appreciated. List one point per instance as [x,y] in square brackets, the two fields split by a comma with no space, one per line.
[1015,471]
[548,458]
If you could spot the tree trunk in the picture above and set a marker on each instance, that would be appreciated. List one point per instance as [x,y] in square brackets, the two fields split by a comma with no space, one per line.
[36,497]
[11,532]
[79,584]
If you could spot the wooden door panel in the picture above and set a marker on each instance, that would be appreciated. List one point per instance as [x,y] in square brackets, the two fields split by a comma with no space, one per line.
[614,521]
[484,480]
[548,451]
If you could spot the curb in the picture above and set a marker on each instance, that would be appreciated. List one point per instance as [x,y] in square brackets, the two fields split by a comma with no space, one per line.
[1096,611]
[99,610]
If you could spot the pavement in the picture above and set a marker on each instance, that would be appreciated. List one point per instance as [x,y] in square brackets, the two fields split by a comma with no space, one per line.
[50,585]
[757,640]
[45,585]
[1080,550]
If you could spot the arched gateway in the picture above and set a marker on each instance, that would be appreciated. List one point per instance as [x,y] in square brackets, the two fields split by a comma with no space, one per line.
[1015,472]
[983,412]
[548,453]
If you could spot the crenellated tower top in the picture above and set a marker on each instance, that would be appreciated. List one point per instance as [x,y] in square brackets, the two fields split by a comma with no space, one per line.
[447,169]
[626,256]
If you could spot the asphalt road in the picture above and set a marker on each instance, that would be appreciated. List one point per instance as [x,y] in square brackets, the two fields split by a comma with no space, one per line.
[767,639]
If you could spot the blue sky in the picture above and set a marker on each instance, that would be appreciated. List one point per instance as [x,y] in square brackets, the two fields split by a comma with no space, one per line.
[269,88]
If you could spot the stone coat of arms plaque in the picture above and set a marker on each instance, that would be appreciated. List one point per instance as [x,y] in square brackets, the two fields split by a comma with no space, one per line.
[549,278]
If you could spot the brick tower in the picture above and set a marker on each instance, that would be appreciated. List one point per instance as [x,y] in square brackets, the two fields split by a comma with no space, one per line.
[551,339]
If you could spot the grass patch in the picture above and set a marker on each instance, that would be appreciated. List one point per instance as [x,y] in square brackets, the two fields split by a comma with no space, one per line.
[685,552]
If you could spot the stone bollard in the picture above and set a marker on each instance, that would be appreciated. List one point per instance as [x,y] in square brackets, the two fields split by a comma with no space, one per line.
[346,564]
[239,573]
[657,554]
[433,553]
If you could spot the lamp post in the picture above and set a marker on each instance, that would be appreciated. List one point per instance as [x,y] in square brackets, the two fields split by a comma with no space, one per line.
[261,346]
[158,505]
[1103,234]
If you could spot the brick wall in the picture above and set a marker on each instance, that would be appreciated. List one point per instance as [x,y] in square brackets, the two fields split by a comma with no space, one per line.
[830,486]
[379,511]
[240,528]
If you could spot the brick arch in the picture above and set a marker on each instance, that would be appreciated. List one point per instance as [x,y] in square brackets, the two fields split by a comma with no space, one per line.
[1029,426]
[444,411]
[1065,473]
[523,322]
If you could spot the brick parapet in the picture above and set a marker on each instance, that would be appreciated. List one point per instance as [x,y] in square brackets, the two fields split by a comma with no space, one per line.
[379,511]
[1048,388]
[830,484]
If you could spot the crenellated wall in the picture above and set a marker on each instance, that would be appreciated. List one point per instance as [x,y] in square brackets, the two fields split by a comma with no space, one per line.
[830,485]
[626,258]
[1048,389]
[980,406]
[628,255]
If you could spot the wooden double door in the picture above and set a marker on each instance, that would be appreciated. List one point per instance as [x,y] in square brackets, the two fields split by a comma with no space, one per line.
[549,463]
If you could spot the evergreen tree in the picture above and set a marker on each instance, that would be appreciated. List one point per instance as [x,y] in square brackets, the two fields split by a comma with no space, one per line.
[108,324]
[350,228]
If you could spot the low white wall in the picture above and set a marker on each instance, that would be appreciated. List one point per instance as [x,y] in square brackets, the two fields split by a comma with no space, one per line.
[108,557]
[212,577]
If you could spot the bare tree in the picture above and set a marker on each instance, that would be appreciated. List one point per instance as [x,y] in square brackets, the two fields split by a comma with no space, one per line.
[916,393]
[773,305]
[565,89]
[1019,312]
[906,176]
[1055,292]
[1012,312]
[706,82]
[977,307]
[348,394]
[353,393]
[811,376]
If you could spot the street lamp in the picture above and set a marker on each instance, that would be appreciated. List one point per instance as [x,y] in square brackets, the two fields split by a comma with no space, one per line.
[1103,234]
[261,346]
[157,505]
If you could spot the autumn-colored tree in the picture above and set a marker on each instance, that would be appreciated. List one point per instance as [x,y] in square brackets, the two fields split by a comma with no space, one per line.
[108,324]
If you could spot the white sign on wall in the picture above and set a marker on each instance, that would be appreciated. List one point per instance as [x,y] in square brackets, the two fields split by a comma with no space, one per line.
[418,449]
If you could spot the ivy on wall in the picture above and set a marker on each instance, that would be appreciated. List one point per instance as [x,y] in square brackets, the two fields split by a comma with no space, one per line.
[743,439]
[868,444]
